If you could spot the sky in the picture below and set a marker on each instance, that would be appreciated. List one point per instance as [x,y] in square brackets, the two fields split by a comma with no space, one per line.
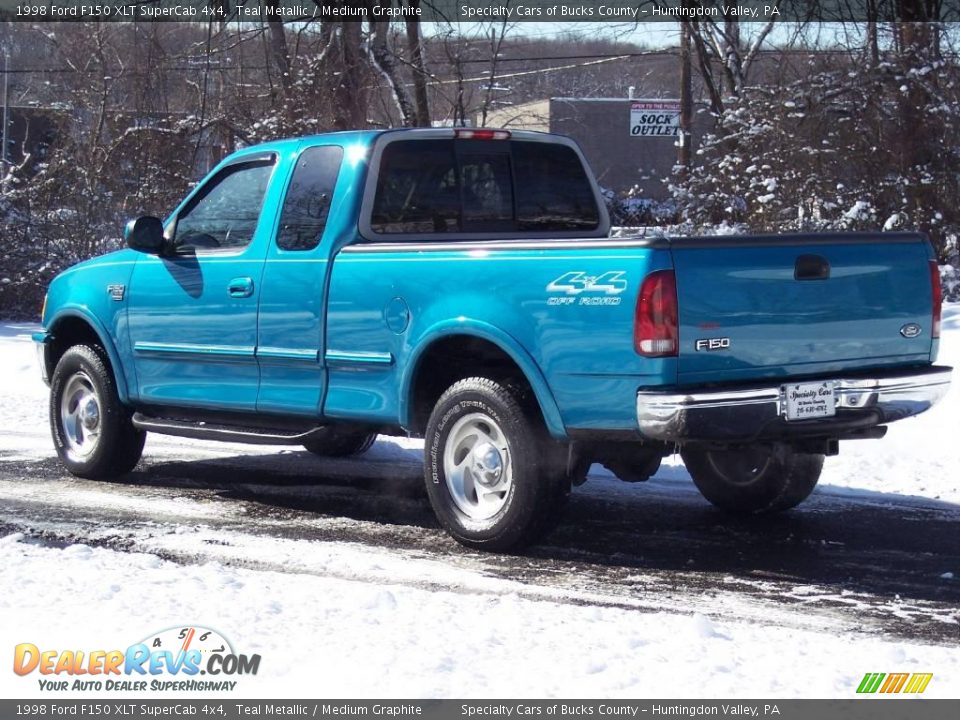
[649,34]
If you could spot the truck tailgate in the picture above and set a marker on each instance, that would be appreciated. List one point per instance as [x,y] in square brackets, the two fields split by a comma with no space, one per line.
[791,306]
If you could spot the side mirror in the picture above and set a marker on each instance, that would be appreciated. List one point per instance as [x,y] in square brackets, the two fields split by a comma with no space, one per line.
[144,234]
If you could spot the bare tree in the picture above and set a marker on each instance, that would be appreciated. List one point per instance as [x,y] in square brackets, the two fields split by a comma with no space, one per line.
[724,57]
[353,93]
[278,46]
[419,67]
[497,36]
[383,59]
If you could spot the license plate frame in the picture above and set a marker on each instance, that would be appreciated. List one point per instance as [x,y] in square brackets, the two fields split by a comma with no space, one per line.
[809,400]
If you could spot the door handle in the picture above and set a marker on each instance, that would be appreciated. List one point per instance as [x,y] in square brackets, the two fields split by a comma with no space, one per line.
[240,287]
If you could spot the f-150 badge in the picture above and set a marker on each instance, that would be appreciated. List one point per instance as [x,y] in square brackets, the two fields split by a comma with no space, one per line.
[599,289]
[712,344]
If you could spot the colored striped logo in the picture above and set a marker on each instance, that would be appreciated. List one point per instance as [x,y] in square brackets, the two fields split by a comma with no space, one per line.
[913,683]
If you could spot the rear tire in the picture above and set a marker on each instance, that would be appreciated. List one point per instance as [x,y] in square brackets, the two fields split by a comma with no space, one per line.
[335,442]
[485,467]
[753,479]
[92,431]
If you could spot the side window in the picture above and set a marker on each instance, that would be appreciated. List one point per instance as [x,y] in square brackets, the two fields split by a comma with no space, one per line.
[225,213]
[307,203]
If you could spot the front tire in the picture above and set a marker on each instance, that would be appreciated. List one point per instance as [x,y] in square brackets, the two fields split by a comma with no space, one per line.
[91,429]
[753,479]
[485,469]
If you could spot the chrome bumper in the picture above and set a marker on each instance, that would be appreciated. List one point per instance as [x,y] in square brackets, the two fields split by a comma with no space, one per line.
[759,412]
[41,339]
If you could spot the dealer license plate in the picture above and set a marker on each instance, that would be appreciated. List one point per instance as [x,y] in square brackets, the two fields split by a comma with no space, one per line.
[806,401]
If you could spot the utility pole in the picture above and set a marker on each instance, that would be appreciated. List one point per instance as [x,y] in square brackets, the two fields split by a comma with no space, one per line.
[4,164]
[686,99]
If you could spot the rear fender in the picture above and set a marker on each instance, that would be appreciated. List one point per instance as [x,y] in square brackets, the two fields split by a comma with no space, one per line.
[484,331]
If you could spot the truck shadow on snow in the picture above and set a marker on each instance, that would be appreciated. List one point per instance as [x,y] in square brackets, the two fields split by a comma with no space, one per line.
[855,541]
[880,560]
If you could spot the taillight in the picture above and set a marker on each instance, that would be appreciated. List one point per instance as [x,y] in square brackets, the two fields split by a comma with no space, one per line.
[937,297]
[655,327]
[482,134]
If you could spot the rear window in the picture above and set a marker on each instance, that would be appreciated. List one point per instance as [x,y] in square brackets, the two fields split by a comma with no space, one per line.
[461,186]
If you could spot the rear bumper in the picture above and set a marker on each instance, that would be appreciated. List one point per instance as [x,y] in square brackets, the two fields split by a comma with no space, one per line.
[757,412]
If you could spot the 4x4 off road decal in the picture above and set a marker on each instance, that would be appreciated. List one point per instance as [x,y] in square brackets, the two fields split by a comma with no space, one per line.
[580,288]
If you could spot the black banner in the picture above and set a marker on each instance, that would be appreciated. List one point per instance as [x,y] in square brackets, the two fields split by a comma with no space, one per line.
[874,709]
[471,10]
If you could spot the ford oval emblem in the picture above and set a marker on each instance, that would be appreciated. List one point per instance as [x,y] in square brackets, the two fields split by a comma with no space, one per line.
[911,330]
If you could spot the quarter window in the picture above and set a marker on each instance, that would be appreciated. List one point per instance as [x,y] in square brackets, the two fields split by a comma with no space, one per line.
[307,203]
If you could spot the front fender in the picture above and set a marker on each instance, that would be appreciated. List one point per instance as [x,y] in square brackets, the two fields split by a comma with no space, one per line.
[503,340]
[84,314]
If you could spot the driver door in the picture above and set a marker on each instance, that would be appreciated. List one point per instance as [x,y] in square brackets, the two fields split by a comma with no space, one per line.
[192,312]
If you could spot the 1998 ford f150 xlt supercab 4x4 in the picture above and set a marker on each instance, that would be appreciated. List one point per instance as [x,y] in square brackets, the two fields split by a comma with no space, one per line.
[461,285]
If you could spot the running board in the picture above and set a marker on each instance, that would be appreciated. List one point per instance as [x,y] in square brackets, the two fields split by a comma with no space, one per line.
[224,433]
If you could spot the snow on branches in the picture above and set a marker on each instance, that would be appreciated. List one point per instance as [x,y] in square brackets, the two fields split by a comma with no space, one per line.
[835,150]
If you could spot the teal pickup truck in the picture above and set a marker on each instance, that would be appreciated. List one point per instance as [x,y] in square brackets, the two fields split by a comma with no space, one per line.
[462,286]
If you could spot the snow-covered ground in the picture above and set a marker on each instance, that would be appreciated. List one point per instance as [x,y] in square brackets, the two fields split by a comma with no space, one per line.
[327,637]
[342,619]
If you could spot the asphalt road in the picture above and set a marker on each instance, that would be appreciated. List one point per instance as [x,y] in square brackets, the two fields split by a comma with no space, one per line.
[865,563]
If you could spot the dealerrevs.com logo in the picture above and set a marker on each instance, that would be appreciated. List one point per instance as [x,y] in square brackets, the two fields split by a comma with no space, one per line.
[172,659]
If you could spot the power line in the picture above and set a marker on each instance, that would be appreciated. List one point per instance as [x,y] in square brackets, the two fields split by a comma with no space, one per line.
[466,61]
[506,76]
